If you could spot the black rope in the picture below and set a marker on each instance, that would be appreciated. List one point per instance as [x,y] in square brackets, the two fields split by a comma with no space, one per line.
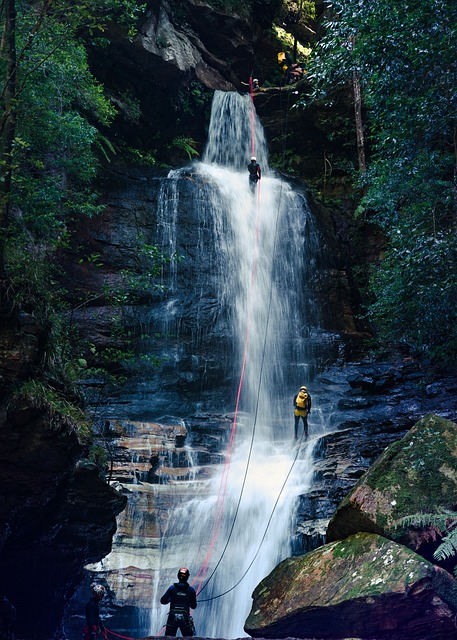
[264,533]
[256,413]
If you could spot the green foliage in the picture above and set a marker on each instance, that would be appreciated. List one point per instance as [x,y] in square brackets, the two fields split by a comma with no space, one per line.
[187,145]
[404,55]
[96,15]
[288,161]
[444,521]
[58,111]
[448,546]
[287,42]
[416,291]
[194,97]
[99,456]
[61,412]
[128,106]
[122,356]
[139,156]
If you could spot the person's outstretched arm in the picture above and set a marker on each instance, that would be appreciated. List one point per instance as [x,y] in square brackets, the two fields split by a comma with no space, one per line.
[165,599]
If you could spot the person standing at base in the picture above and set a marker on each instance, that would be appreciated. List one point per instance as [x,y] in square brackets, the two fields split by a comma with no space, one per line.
[94,627]
[181,597]
[302,409]
[254,173]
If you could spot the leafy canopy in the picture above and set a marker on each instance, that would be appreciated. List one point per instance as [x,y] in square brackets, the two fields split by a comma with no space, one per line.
[404,54]
[56,109]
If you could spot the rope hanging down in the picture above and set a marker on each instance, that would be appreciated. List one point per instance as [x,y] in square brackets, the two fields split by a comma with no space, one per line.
[223,484]
[232,435]
[220,502]
[251,93]
[258,395]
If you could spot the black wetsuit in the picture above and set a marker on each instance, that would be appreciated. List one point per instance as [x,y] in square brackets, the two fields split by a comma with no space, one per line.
[182,598]
[93,623]
[254,174]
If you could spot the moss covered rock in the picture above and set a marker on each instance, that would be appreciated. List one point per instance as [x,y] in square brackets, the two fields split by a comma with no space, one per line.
[415,475]
[364,586]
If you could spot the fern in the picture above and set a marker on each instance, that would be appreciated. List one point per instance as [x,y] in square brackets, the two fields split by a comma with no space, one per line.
[445,520]
[104,145]
[439,520]
[186,144]
[448,546]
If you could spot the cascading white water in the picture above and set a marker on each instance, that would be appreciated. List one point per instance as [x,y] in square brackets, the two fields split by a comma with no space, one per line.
[263,243]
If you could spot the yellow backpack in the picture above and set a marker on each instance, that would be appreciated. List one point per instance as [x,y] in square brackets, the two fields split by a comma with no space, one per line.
[301,400]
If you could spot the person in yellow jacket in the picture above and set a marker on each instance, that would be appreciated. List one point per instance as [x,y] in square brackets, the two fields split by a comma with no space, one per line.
[302,409]
[293,71]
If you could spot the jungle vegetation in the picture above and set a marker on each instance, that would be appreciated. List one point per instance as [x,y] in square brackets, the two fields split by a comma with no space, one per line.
[402,54]
[51,113]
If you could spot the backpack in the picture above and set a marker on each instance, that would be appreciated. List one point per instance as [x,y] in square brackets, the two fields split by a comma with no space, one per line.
[302,400]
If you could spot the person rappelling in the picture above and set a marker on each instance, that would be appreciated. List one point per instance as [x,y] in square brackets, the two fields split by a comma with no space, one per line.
[181,597]
[94,626]
[302,409]
[254,173]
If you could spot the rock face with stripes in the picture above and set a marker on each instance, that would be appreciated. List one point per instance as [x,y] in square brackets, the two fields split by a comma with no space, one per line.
[364,586]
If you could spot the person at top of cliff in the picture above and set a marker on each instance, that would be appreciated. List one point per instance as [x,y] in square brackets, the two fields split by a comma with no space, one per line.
[181,597]
[293,71]
[254,173]
[302,409]
[94,626]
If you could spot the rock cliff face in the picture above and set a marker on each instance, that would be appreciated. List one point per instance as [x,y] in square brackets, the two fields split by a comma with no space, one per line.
[56,513]
[415,475]
[184,51]
[368,406]
[376,405]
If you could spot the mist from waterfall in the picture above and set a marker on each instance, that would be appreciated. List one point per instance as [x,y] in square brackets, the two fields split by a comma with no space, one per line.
[239,524]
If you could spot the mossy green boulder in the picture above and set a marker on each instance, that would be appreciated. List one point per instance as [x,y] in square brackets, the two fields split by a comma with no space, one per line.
[364,586]
[415,475]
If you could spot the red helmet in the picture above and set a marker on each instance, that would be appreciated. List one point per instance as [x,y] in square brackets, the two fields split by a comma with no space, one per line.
[183,573]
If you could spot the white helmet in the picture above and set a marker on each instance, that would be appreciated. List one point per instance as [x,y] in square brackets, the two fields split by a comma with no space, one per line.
[98,590]
[253,159]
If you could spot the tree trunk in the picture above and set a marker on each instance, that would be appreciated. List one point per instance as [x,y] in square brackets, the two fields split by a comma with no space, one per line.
[8,126]
[359,123]
[295,51]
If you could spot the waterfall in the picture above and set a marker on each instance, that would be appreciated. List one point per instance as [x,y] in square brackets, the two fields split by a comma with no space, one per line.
[239,524]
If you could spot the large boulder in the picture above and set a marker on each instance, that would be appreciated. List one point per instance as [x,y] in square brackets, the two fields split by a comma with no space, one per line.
[365,586]
[415,475]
